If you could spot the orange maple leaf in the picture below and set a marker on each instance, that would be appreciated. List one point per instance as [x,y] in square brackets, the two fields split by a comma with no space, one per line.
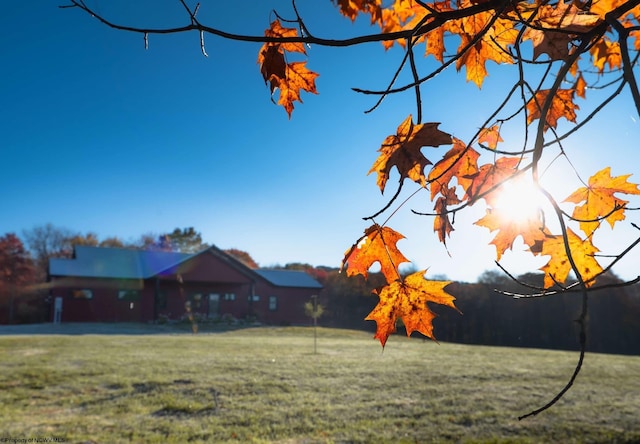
[600,200]
[558,267]
[490,136]
[602,7]
[402,150]
[606,52]
[490,176]
[407,299]
[531,229]
[297,78]
[377,245]
[561,106]
[555,26]
[351,8]
[491,46]
[580,86]
[288,78]
[460,162]
[441,224]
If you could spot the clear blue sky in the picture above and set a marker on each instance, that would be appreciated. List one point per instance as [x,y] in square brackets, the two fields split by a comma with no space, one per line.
[98,134]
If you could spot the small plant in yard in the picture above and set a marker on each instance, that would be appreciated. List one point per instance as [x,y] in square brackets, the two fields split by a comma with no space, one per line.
[314,311]
[190,316]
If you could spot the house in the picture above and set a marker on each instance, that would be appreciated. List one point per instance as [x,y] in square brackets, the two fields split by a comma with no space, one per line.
[125,285]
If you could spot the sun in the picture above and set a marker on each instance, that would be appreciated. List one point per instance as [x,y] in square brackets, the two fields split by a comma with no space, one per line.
[519,200]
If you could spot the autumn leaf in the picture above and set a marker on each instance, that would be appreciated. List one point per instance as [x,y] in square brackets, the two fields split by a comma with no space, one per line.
[288,78]
[402,150]
[441,224]
[377,245]
[602,7]
[580,86]
[555,26]
[351,8]
[297,78]
[460,162]
[600,200]
[558,267]
[606,52]
[407,299]
[496,36]
[490,176]
[490,136]
[508,229]
[561,106]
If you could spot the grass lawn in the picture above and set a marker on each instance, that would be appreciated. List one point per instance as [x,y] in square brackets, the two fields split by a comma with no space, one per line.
[264,385]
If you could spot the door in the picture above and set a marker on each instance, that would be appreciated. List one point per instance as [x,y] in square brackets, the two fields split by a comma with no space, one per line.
[214,305]
[57,310]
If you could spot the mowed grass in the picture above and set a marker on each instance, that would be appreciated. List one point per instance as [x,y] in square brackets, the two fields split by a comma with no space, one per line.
[266,385]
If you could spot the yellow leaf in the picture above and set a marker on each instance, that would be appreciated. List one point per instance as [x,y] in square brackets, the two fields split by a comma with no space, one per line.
[558,267]
[600,200]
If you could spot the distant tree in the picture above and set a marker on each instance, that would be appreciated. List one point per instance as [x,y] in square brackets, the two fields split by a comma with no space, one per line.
[297,266]
[493,277]
[89,240]
[243,257]
[146,241]
[185,240]
[16,271]
[113,242]
[45,242]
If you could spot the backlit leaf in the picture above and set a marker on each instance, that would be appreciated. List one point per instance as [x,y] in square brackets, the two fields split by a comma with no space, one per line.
[561,106]
[600,200]
[559,266]
[490,136]
[441,224]
[407,299]
[490,176]
[377,245]
[288,78]
[460,162]
[402,150]
[508,229]
[567,19]
[606,52]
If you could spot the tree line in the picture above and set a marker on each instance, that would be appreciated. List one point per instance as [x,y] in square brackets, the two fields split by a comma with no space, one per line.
[488,316]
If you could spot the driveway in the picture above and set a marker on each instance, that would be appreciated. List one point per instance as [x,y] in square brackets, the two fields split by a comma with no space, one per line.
[92,328]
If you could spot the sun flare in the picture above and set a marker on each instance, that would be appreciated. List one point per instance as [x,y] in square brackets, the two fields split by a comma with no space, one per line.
[519,200]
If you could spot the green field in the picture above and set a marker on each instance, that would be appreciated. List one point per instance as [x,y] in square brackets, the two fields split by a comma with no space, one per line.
[266,385]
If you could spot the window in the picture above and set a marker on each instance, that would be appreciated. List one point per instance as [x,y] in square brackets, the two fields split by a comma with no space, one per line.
[82,294]
[229,296]
[129,295]
[273,303]
[254,298]
[196,300]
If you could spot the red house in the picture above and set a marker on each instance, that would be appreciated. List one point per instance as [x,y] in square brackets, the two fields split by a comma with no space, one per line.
[116,285]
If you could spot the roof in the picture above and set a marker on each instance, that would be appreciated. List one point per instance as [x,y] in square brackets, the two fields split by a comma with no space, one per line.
[288,278]
[123,263]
